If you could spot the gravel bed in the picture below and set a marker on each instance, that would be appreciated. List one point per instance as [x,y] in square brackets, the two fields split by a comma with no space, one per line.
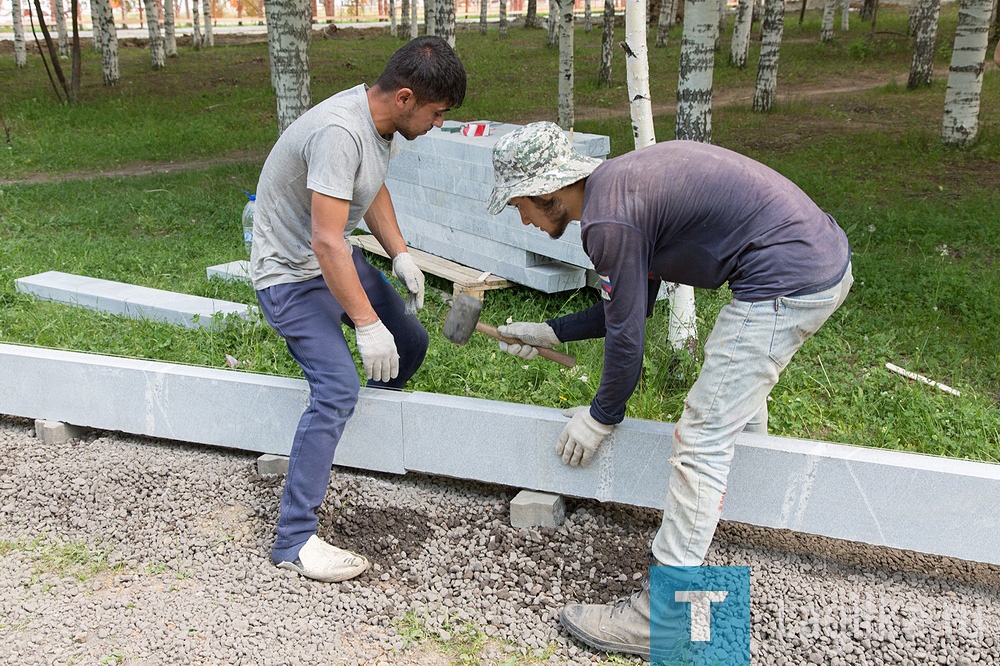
[126,550]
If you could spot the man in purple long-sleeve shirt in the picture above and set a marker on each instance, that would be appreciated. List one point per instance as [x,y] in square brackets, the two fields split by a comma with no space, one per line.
[694,214]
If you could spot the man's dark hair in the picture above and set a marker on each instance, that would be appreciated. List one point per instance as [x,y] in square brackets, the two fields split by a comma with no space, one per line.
[428,67]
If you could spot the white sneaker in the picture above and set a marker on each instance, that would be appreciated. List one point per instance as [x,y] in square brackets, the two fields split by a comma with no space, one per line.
[320,561]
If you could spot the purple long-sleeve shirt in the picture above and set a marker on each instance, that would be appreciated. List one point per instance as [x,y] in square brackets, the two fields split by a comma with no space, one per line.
[697,214]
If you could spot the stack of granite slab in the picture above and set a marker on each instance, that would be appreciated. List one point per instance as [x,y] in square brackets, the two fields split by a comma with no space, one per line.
[440,183]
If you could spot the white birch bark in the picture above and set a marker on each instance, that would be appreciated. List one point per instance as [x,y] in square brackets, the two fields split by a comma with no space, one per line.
[196,26]
[770,50]
[965,75]
[20,49]
[156,52]
[483,7]
[392,18]
[697,64]
[430,17]
[404,17]
[662,24]
[503,19]
[607,42]
[845,20]
[925,23]
[104,16]
[169,29]
[209,39]
[566,108]
[722,24]
[588,18]
[740,46]
[637,73]
[95,30]
[414,24]
[60,12]
[446,21]
[829,10]
[288,23]
[550,23]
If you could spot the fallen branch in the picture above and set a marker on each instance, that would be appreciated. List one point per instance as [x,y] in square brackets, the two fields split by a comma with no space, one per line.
[920,378]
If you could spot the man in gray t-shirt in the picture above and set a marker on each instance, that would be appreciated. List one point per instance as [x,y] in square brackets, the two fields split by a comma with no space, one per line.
[696,214]
[324,175]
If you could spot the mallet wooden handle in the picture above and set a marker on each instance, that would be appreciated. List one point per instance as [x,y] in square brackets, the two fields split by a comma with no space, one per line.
[551,354]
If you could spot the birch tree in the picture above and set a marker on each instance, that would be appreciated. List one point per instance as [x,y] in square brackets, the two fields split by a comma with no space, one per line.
[925,21]
[414,27]
[446,21]
[483,7]
[665,21]
[288,23]
[196,25]
[588,19]
[697,62]
[845,21]
[156,52]
[20,50]
[740,46]
[770,50]
[965,75]
[392,18]
[169,29]
[430,17]
[95,31]
[503,19]
[209,39]
[566,110]
[550,23]
[681,332]
[404,17]
[607,42]
[105,18]
[59,10]
[829,10]
[531,14]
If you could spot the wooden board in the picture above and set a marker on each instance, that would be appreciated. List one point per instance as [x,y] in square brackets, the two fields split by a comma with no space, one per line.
[466,280]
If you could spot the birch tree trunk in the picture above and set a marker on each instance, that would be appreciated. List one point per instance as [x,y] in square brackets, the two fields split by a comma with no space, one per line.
[104,16]
[20,49]
[845,20]
[607,42]
[60,13]
[662,24]
[288,23]
[446,21]
[430,17]
[722,24]
[829,9]
[697,62]
[531,15]
[392,18]
[925,22]
[588,19]
[95,31]
[196,26]
[156,52]
[503,19]
[740,46]
[965,76]
[404,17]
[209,39]
[770,50]
[566,108]
[414,26]
[483,7]
[553,37]
[169,29]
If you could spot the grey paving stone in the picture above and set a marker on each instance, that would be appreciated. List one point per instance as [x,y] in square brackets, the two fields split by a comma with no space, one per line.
[57,432]
[533,509]
[269,463]
[130,300]
[234,270]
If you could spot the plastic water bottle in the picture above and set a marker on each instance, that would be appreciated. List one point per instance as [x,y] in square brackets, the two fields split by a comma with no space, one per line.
[248,221]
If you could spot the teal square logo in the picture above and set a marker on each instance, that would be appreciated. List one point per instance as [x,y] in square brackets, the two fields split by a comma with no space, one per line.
[699,616]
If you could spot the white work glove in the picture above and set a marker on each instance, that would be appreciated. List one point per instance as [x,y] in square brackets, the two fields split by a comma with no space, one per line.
[580,438]
[533,334]
[378,351]
[406,270]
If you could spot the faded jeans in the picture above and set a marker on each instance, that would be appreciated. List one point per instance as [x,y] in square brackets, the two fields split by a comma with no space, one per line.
[750,345]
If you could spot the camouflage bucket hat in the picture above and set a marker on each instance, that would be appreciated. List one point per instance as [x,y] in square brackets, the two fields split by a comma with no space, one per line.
[533,160]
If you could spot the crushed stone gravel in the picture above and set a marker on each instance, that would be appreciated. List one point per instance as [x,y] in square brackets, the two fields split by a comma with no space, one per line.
[126,550]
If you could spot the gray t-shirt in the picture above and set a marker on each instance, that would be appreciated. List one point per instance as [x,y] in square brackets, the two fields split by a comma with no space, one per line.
[333,149]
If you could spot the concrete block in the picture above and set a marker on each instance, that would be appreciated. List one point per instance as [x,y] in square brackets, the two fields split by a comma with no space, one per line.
[927,504]
[130,300]
[272,464]
[57,432]
[534,509]
[234,270]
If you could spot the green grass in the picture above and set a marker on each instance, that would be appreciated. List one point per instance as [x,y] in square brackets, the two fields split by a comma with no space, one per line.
[921,218]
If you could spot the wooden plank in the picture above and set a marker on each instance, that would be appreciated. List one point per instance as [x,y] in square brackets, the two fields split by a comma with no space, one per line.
[466,280]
